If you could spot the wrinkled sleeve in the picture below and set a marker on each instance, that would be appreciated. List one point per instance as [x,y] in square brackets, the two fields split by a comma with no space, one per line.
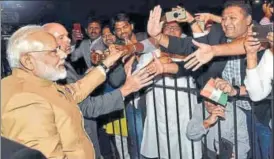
[93,107]
[195,129]
[83,87]
[258,81]
[30,121]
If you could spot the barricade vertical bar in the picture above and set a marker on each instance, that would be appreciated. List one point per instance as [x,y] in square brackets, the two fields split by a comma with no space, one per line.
[272,121]
[205,140]
[135,126]
[113,129]
[235,128]
[253,134]
[219,135]
[166,116]
[156,121]
[235,123]
[121,138]
[177,113]
[190,111]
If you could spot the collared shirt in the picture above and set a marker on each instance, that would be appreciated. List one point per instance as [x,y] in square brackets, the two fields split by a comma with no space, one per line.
[232,71]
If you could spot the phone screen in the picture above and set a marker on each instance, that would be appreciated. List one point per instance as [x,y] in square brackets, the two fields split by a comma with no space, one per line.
[262,31]
[77,26]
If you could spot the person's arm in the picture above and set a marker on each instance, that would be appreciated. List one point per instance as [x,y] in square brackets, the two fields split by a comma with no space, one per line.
[258,79]
[93,107]
[236,47]
[83,87]
[117,76]
[195,127]
[172,68]
[77,53]
[35,125]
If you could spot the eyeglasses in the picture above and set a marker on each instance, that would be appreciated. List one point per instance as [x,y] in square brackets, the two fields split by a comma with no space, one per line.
[172,28]
[54,51]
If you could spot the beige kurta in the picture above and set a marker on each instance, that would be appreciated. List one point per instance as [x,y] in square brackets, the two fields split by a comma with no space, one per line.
[43,115]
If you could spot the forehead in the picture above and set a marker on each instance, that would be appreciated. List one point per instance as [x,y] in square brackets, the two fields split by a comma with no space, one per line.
[106,31]
[48,40]
[120,24]
[233,10]
[171,24]
[60,31]
[93,24]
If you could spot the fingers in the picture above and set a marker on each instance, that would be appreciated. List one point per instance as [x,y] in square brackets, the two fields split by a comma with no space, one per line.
[197,43]
[189,56]
[190,64]
[197,67]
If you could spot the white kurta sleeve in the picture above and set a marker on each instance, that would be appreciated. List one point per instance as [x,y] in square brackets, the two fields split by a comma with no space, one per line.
[258,80]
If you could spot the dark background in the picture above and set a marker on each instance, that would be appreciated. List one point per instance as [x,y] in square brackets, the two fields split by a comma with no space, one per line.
[67,12]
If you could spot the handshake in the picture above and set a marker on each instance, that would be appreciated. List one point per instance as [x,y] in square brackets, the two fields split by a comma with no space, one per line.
[97,56]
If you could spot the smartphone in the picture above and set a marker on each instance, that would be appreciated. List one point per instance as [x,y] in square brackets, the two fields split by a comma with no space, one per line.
[262,31]
[174,15]
[77,27]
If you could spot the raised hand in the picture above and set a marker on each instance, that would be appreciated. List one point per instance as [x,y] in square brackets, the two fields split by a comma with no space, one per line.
[201,56]
[154,26]
[251,44]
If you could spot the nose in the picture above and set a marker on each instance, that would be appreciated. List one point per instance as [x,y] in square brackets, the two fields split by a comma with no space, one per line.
[226,22]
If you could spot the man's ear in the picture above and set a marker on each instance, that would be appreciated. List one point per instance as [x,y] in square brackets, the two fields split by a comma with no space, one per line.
[27,62]
[249,20]
[132,26]
[86,30]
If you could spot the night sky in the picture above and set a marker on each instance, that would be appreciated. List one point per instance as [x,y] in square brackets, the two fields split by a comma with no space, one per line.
[69,11]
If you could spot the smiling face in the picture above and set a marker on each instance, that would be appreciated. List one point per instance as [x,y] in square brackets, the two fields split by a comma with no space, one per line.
[235,22]
[123,30]
[61,35]
[47,62]
[172,29]
[108,37]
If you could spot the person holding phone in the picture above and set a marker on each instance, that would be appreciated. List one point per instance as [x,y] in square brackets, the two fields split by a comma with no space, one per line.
[258,82]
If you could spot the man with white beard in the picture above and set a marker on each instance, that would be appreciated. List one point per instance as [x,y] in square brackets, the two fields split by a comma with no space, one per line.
[37,112]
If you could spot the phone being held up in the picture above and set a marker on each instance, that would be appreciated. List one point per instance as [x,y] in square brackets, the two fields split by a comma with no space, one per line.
[175,15]
[77,33]
[262,31]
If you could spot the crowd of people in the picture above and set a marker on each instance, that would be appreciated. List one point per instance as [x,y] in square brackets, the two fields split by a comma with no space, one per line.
[127,101]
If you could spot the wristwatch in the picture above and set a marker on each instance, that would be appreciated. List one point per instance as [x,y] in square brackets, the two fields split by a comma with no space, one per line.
[192,22]
[106,69]
[238,89]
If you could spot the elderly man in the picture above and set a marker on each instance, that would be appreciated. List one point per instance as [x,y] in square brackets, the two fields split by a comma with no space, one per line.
[36,111]
[93,107]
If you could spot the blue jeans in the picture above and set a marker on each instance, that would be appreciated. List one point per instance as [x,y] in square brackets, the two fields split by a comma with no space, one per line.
[263,141]
[263,137]
[135,130]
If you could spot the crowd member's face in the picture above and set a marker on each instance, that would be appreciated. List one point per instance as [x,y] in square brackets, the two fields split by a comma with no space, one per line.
[61,35]
[123,30]
[234,22]
[108,37]
[94,30]
[48,61]
[172,29]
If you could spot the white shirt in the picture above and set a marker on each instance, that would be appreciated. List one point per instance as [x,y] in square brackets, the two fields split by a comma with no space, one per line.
[258,80]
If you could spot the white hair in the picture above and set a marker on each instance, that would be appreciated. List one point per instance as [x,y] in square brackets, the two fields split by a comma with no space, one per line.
[19,44]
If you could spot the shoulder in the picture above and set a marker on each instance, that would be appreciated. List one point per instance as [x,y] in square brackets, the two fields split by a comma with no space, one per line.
[22,99]
[141,36]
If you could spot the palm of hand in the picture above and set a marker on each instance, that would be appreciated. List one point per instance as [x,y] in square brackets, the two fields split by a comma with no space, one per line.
[154,28]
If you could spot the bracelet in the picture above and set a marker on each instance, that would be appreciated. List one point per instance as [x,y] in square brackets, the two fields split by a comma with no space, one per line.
[104,66]
[238,90]
[192,22]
